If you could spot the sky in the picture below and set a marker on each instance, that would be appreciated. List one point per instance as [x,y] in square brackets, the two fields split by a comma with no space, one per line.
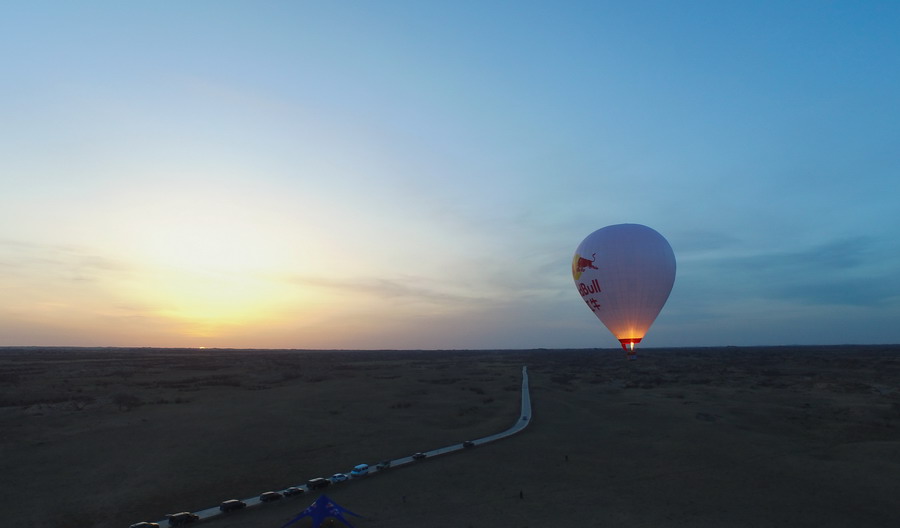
[417,175]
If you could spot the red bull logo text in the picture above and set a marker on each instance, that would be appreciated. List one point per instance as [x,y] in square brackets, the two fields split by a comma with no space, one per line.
[585,289]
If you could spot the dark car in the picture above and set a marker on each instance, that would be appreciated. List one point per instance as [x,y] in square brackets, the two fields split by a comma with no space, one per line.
[293,490]
[144,524]
[232,505]
[419,456]
[180,518]
[270,496]
[468,444]
[384,464]
[318,483]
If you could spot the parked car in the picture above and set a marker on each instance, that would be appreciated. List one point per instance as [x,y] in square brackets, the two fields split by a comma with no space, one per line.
[360,470]
[339,477]
[468,443]
[318,483]
[293,490]
[384,464]
[144,524]
[419,456]
[180,518]
[270,496]
[232,505]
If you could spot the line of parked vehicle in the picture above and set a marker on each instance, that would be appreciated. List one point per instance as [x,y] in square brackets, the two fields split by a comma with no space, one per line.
[232,505]
[358,471]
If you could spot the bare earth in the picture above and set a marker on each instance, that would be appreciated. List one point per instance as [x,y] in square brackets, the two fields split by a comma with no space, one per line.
[728,437]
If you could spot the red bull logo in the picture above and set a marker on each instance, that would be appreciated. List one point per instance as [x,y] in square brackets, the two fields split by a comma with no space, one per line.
[579,264]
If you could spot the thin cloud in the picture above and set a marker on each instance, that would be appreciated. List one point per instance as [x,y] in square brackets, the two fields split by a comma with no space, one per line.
[702,241]
[385,288]
[836,255]
[58,261]
[846,271]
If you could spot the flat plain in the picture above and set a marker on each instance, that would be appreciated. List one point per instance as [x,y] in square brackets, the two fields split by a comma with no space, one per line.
[724,437]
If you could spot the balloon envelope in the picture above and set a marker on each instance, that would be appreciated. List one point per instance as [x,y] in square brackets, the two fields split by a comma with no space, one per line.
[624,274]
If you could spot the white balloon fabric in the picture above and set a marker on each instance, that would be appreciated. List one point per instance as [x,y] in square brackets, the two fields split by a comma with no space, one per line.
[624,274]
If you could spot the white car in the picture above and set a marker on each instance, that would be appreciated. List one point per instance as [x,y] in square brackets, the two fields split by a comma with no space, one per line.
[339,477]
[360,470]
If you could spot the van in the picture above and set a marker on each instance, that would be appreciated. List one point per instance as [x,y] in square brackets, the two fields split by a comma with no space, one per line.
[360,470]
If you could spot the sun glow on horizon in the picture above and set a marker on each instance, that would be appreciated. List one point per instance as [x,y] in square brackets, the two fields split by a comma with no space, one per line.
[212,304]
[204,262]
[197,231]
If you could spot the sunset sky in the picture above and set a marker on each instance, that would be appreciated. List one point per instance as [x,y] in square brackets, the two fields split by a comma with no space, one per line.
[417,174]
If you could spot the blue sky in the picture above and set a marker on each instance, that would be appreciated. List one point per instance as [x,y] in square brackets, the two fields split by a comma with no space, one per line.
[418,174]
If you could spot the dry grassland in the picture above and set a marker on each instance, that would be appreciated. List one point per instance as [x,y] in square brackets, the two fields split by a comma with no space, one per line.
[731,437]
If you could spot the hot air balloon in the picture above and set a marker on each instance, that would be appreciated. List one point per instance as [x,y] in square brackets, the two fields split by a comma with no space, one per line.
[624,274]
